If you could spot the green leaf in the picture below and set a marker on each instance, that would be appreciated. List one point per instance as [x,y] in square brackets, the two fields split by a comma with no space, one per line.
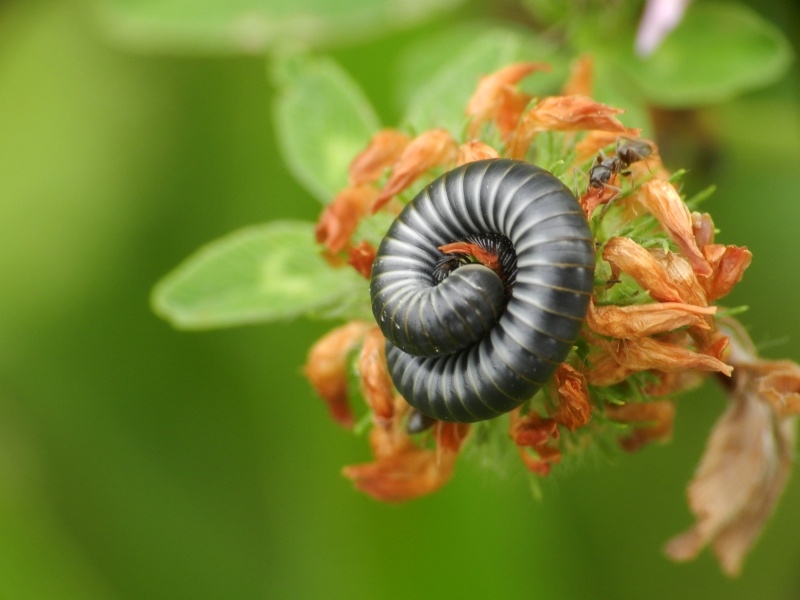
[257,274]
[252,26]
[442,99]
[322,120]
[719,51]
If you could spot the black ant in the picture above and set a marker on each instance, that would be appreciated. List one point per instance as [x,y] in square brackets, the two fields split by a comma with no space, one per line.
[605,167]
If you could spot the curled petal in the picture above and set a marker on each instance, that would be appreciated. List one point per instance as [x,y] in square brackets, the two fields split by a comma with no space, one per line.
[625,255]
[648,353]
[531,434]
[682,276]
[594,197]
[703,229]
[483,256]
[728,264]
[653,422]
[376,384]
[383,150]
[580,78]
[642,320]
[573,410]
[475,150]
[780,386]
[741,475]
[498,100]
[326,367]
[401,470]
[605,370]
[361,258]
[593,142]
[341,217]
[665,204]
[434,148]
[564,113]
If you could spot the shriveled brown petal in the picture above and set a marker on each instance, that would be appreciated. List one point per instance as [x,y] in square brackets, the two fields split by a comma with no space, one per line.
[652,422]
[341,217]
[648,353]
[434,148]
[625,255]
[361,258]
[497,98]
[326,367]
[703,229]
[594,197]
[665,204]
[376,384]
[594,141]
[605,370]
[475,150]
[645,319]
[383,150]
[531,434]
[682,276]
[780,386]
[728,264]
[573,409]
[487,259]
[402,471]
[742,474]
[580,78]
[565,113]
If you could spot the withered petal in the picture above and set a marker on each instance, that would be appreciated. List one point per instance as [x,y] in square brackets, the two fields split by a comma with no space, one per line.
[433,148]
[643,320]
[383,150]
[662,200]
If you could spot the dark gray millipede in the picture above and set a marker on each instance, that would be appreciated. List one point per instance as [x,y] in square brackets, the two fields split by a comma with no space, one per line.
[466,349]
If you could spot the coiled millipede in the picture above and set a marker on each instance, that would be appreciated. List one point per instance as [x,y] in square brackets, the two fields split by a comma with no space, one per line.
[473,346]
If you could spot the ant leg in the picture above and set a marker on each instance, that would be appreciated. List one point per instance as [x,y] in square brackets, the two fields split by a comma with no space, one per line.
[618,192]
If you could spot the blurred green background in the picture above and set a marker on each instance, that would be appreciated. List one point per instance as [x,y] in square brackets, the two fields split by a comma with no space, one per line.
[141,462]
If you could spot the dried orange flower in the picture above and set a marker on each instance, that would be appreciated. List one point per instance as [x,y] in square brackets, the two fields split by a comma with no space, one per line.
[651,332]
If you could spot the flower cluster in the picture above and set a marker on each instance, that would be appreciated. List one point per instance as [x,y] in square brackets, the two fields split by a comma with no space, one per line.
[652,328]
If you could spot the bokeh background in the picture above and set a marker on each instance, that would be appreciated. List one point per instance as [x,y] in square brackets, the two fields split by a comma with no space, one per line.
[138,462]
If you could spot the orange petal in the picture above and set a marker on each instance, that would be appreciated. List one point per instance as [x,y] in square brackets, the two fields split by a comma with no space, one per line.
[564,113]
[645,319]
[487,259]
[341,217]
[361,258]
[475,150]
[402,471]
[665,204]
[580,78]
[605,370]
[383,150]
[497,98]
[327,367]
[648,353]
[434,148]
[728,264]
[653,422]
[703,229]
[376,384]
[682,276]
[573,410]
[623,254]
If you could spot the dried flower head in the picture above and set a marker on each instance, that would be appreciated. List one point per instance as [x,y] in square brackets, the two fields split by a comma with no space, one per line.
[652,330]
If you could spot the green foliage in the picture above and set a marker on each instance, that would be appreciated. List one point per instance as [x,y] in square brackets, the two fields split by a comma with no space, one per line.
[719,50]
[322,120]
[261,273]
[248,26]
[440,101]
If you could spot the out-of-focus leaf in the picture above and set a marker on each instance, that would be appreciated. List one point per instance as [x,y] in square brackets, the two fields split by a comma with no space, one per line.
[257,274]
[322,120]
[251,26]
[719,51]
[442,99]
